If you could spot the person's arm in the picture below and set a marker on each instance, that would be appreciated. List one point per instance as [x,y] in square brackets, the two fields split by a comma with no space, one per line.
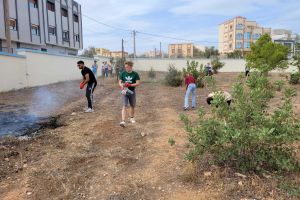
[86,79]
[138,82]
[121,84]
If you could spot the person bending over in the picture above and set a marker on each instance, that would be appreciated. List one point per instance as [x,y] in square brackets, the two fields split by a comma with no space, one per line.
[227,96]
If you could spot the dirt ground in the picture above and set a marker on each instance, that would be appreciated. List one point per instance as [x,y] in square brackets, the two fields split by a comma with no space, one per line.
[89,156]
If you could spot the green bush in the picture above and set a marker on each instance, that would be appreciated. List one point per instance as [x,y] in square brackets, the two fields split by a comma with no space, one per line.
[197,71]
[217,65]
[295,77]
[173,77]
[279,84]
[152,73]
[247,135]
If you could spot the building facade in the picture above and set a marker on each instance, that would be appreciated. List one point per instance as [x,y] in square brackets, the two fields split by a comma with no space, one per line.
[53,26]
[110,54]
[102,52]
[184,50]
[118,54]
[287,38]
[238,33]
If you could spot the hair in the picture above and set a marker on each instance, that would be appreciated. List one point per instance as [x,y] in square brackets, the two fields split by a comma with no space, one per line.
[209,100]
[130,63]
[80,62]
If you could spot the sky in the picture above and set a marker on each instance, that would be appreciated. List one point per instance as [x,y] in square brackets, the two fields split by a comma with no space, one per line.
[187,19]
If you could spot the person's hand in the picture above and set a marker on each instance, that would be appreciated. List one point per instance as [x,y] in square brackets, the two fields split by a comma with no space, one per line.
[127,85]
[81,86]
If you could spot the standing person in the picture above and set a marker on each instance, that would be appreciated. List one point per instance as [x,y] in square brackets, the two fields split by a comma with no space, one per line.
[88,78]
[110,69]
[227,96]
[95,68]
[128,80]
[103,70]
[208,70]
[190,83]
[247,71]
[106,66]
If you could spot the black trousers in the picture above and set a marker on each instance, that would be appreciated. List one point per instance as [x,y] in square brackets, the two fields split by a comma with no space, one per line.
[89,93]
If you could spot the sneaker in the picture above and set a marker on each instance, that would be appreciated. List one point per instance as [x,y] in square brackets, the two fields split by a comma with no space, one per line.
[122,124]
[89,110]
[132,120]
[193,108]
[185,108]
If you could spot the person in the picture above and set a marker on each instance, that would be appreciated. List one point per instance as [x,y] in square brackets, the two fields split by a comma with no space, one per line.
[103,69]
[190,83]
[247,71]
[227,96]
[89,79]
[106,69]
[95,68]
[208,70]
[110,69]
[128,81]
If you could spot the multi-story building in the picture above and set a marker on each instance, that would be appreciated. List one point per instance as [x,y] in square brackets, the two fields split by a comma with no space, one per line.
[118,54]
[238,33]
[286,38]
[184,50]
[103,52]
[153,54]
[53,26]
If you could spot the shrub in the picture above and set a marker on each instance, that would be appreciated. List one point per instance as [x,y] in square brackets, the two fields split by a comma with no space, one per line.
[152,73]
[173,77]
[279,84]
[247,135]
[197,71]
[295,77]
[217,65]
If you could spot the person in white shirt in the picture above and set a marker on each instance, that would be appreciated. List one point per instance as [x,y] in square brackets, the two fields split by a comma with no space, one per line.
[227,96]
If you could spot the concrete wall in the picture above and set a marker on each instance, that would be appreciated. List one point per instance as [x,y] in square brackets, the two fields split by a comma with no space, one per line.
[13,72]
[31,68]
[231,65]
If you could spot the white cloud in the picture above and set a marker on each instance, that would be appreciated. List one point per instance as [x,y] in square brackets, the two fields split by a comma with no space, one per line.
[221,8]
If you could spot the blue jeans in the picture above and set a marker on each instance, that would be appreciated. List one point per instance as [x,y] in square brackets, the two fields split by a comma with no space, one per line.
[106,72]
[190,88]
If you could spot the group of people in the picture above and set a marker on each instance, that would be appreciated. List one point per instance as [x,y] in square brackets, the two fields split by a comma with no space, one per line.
[128,81]
[107,69]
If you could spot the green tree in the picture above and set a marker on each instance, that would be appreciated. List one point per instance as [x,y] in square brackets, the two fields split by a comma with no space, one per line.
[89,52]
[235,54]
[211,52]
[266,55]
[217,64]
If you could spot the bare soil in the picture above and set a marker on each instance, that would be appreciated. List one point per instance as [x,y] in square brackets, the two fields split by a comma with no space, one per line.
[89,156]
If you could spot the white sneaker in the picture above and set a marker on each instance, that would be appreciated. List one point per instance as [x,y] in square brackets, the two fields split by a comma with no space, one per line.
[89,110]
[122,124]
[132,120]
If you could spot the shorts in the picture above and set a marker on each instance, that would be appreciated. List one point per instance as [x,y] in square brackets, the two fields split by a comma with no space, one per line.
[129,99]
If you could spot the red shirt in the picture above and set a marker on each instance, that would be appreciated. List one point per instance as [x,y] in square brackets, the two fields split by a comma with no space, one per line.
[189,79]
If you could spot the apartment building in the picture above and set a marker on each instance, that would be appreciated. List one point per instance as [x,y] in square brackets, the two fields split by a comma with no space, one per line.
[103,52]
[287,38]
[184,50]
[118,54]
[238,33]
[53,26]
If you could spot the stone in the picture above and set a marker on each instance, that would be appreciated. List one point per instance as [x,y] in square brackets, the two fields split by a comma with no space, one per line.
[207,173]
[73,113]
[6,159]
[240,175]
[143,134]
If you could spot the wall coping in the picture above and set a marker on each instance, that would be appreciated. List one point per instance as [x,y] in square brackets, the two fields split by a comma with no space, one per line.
[12,55]
[52,54]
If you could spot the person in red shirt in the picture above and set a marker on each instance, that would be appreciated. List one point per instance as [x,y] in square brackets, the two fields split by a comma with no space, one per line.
[190,83]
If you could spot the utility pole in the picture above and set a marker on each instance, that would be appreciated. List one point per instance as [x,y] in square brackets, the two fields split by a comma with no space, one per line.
[160,53]
[155,52]
[7,25]
[122,49]
[134,47]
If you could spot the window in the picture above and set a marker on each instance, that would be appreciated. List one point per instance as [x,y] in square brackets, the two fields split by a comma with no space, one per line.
[247,45]
[51,30]
[77,38]
[180,51]
[66,36]
[256,36]
[50,6]
[247,36]
[173,51]
[35,29]
[33,3]
[75,17]
[239,36]
[230,27]
[239,26]
[13,24]
[230,46]
[64,12]
[189,51]
[239,45]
